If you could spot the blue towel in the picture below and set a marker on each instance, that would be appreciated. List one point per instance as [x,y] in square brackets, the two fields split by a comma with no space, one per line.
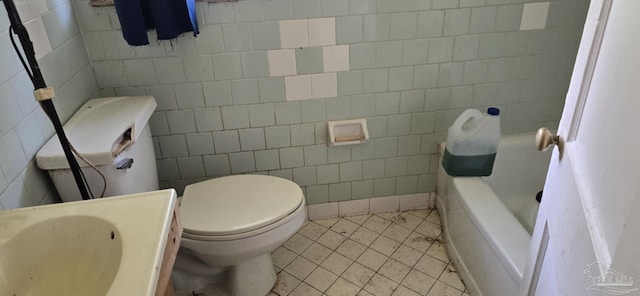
[170,18]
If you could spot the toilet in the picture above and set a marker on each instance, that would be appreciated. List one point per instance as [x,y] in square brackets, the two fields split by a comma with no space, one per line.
[114,135]
[231,224]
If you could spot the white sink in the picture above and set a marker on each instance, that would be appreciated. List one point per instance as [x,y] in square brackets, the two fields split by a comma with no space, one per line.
[112,246]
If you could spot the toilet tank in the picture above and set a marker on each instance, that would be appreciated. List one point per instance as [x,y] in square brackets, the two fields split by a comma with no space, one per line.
[113,134]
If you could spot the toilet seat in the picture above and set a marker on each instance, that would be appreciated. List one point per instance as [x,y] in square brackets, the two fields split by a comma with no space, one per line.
[237,206]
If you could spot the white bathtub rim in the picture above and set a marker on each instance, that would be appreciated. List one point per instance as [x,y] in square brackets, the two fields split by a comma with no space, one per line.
[455,258]
[504,233]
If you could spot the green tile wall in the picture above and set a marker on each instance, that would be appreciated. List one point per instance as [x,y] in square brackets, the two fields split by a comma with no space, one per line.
[414,67]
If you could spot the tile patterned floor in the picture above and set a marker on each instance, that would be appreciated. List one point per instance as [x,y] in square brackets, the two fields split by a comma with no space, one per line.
[385,254]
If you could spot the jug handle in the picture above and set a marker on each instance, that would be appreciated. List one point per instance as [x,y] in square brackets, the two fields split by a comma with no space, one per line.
[464,117]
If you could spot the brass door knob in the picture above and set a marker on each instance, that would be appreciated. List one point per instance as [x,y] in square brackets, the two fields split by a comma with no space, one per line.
[545,139]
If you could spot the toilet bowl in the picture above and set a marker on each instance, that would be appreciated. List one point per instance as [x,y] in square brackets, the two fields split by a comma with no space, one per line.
[231,226]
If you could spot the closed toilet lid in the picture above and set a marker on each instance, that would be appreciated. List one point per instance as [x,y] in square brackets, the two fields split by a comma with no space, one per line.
[237,204]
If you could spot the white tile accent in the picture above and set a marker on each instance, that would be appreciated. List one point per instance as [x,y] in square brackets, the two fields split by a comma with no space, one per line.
[323,211]
[297,87]
[282,62]
[39,36]
[336,58]
[324,85]
[384,204]
[293,33]
[414,201]
[322,31]
[534,16]
[353,207]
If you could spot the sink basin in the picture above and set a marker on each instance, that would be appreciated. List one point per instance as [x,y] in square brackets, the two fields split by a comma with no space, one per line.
[112,246]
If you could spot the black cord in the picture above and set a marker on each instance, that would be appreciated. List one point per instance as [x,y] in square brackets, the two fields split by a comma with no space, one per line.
[84,179]
[15,47]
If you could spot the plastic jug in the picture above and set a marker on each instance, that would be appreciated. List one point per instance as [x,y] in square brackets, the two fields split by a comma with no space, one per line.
[472,143]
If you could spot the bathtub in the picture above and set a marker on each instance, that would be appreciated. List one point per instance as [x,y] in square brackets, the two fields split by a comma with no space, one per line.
[487,221]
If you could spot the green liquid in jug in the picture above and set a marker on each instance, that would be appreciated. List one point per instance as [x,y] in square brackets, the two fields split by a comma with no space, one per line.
[466,166]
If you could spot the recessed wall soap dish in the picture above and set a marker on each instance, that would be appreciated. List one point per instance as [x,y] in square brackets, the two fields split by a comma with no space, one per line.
[347,132]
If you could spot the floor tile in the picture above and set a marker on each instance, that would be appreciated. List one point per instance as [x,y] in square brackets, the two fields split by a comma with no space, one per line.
[211,290]
[431,266]
[358,219]
[450,277]
[396,232]
[297,243]
[313,230]
[376,224]
[407,255]
[404,291]
[419,242]
[345,227]
[331,239]
[372,259]
[434,217]
[358,274]
[364,236]
[316,253]
[385,245]
[384,254]
[442,289]
[281,257]
[327,222]
[392,216]
[418,282]
[341,287]
[421,213]
[437,250]
[300,268]
[285,283]
[303,289]
[380,286]
[429,229]
[351,249]
[336,263]
[321,279]
[394,270]
[408,221]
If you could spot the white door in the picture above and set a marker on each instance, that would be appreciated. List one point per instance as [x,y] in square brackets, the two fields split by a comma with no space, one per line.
[587,236]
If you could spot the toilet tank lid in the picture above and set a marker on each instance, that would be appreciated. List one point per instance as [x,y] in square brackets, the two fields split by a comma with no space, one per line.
[96,128]
[237,204]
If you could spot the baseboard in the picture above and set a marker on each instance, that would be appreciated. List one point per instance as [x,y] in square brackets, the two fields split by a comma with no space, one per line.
[371,205]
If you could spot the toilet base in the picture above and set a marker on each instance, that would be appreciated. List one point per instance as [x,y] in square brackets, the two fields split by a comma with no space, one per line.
[252,277]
